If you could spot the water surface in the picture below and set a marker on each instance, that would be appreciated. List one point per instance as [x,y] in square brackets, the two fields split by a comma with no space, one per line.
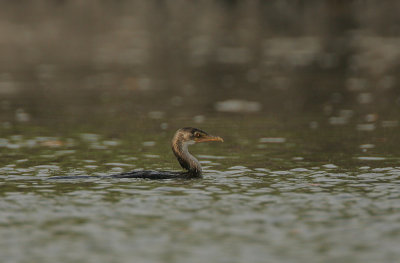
[273,192]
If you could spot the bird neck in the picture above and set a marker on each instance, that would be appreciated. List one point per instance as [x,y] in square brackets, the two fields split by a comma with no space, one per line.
[186,160]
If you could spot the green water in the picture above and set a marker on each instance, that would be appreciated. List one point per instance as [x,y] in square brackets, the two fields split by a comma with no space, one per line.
[274,191]
[305,94]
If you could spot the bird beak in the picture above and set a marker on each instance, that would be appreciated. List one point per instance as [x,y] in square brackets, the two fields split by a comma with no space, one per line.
[210,138]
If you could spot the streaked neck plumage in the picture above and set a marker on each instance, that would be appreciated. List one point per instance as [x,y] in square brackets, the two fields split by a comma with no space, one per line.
[185,159]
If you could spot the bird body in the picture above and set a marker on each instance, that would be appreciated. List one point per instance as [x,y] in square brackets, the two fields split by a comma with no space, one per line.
[180,143]
[149,174]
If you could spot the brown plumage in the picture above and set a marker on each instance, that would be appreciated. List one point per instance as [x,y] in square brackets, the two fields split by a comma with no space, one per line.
[180,142]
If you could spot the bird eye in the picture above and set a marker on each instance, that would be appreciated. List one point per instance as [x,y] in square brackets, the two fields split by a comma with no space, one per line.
[197,135]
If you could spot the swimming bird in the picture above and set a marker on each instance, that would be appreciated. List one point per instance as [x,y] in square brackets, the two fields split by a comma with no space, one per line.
[180,143]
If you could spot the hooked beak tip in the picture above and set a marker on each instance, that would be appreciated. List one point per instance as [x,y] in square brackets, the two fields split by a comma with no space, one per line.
[216,139]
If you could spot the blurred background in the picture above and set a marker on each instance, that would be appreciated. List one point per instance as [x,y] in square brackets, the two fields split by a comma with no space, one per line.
[306,95]
[65,61]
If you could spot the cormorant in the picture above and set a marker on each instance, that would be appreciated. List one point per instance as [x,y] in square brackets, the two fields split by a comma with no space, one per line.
[180,142]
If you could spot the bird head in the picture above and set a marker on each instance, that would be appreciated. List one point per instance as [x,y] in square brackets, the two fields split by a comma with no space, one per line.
[194,135]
